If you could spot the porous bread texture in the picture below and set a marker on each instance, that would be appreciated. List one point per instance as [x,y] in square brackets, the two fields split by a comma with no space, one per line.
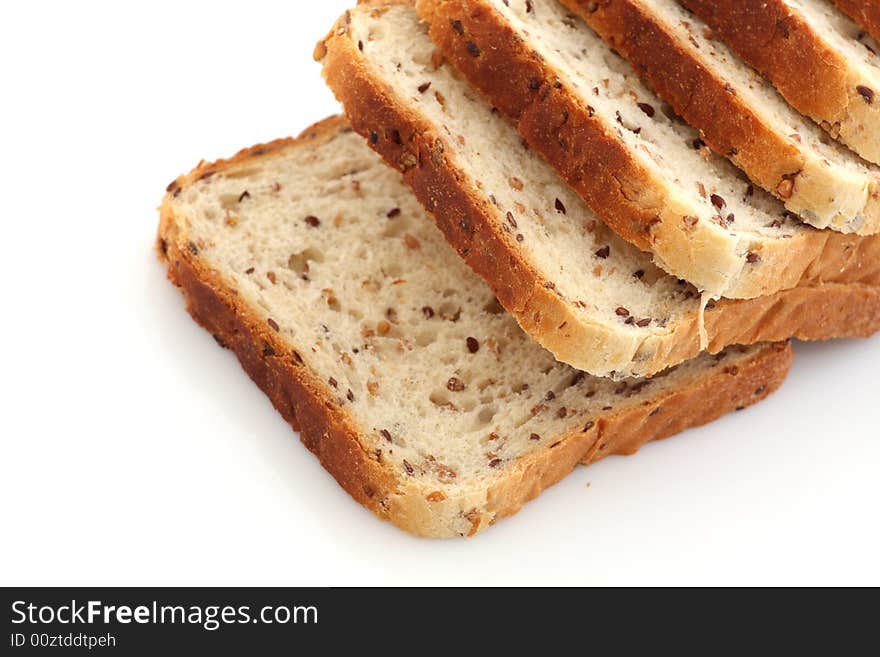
[824,64]
[741,246]
[864,12]
[593,300]
[740,114]
[426,401]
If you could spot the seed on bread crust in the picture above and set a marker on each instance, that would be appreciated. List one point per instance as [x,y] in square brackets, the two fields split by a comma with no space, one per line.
[867,93]
[785,189]
[647,109]
[455,384]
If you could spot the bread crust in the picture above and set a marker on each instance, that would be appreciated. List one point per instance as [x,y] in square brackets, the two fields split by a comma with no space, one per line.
[412,146]
[865,12]
[555,122]
[815,78]
[728,123]
[332,434]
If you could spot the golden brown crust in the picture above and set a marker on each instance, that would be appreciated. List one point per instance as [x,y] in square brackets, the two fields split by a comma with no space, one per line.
[725,388]
[728,123]
[412,146]
[684,408]
[865,12]
[330,432]
[815,78]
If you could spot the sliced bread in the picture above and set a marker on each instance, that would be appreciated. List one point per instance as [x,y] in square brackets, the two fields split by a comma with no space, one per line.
[740,114]
[313,262]
[864,12]
[594,300]
[585,110]
[822,62]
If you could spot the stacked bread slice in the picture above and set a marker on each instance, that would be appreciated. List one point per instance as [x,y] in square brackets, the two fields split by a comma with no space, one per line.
[316,265]
[824,64]
[588,246]
[739,114]
[592,299]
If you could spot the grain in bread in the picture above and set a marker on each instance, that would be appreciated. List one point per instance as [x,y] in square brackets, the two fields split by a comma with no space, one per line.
[739,114]
[824,64]
[592,299]
[313,262]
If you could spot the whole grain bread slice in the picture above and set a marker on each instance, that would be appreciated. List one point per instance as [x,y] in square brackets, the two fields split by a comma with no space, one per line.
[592,299]
[864,12]
[313,262]
[739,114]
[585,110]
[821,61]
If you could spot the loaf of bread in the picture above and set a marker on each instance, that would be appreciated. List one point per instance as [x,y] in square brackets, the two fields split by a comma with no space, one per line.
[739,114]
[824,64]
[312,261]
[589,297]
[589,115]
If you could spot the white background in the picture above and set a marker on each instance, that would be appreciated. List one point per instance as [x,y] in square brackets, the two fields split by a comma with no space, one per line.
[135,451]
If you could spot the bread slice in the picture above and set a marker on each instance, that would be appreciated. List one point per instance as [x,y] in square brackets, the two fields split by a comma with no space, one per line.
[589,297]
[740,114]
[312,261]
[864,12]
[589,115]
[821,61]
